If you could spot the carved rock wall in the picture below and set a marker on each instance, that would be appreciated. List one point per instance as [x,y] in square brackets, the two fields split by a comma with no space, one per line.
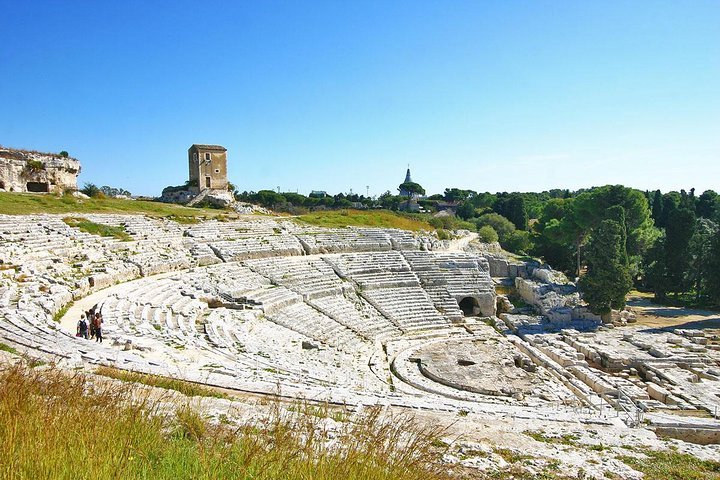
[23,171]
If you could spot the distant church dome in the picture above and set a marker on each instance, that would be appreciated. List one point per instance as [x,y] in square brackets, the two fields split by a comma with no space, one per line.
[408,179]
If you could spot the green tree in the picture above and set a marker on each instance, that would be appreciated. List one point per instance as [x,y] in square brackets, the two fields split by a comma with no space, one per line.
[550,242]
[268,199]
[588,210]
[678,232]
[516,211]
[483,201]
[457,195]
[655,269]
[608,279]
[389,201]
[671,201]
[712,272]
[500,224]
[295,199]
[517,242]
[700,251]
[465,210]
[411,188]
[708,205]
[92,190]
[487,234]
[657,207]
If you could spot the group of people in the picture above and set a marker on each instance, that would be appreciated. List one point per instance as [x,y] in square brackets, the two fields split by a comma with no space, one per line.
[90,325]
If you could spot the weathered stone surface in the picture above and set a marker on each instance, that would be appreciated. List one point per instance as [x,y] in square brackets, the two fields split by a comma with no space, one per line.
[23,171]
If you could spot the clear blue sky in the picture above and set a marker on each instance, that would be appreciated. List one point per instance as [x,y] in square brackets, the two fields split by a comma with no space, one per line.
[486,95]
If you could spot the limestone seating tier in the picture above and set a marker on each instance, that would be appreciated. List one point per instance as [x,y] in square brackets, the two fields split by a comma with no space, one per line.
[310,278]
[257,247]
[344,240]
[358,315]
[310,322]
[348,265]
[410,308]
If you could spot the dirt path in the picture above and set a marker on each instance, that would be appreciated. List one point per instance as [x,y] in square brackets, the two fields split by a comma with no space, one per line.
[459,244]
[654,315]
[69,321]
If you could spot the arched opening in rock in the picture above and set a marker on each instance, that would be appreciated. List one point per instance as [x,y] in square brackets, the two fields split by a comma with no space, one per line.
[38,187]
[469,306]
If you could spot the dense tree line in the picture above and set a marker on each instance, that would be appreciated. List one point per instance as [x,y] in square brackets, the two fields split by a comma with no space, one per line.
[612,237]
[296,202]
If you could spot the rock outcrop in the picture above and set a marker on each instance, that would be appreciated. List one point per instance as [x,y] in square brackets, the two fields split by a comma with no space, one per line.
[28,171]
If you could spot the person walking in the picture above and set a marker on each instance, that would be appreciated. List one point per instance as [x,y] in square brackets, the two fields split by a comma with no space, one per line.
[91,322]
[98,327]
[82,328]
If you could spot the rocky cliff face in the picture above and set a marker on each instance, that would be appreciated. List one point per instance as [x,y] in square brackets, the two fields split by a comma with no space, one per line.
[26,171]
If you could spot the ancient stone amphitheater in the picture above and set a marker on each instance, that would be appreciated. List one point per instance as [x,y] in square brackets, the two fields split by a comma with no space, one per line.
[354,316]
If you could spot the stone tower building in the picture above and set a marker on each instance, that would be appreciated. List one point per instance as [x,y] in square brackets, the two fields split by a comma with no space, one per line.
[208,167]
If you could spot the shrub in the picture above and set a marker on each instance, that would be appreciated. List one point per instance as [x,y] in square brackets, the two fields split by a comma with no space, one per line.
[502,226]
[487,234]
[92,190]
[517,242]
[33,166]
[64,154]
[450,222]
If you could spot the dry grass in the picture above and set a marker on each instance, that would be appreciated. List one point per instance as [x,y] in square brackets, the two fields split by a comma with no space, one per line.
[61,426]
[364,218]
[186,388]
[30,203]
[669,465]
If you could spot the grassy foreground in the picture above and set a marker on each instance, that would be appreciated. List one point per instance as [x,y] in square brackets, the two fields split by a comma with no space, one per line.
[61,426]
[29,203]
[364,218]
[186,388]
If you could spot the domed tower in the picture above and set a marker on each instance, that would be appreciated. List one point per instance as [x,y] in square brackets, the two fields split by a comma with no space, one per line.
[408,179]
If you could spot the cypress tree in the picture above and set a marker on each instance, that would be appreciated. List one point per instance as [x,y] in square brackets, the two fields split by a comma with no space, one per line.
[678,232]
[712,275]
[657,207]
[516,211]
[608,279]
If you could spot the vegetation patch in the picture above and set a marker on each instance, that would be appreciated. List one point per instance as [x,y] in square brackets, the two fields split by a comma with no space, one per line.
[85,225]
[61,313]
[29,203]
[7,348]
[186,388]
[184,219]
[564,439]
[55,425]
[364,218]
[669,465]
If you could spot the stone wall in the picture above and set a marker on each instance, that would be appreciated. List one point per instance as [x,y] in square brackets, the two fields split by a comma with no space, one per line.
[25,171]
